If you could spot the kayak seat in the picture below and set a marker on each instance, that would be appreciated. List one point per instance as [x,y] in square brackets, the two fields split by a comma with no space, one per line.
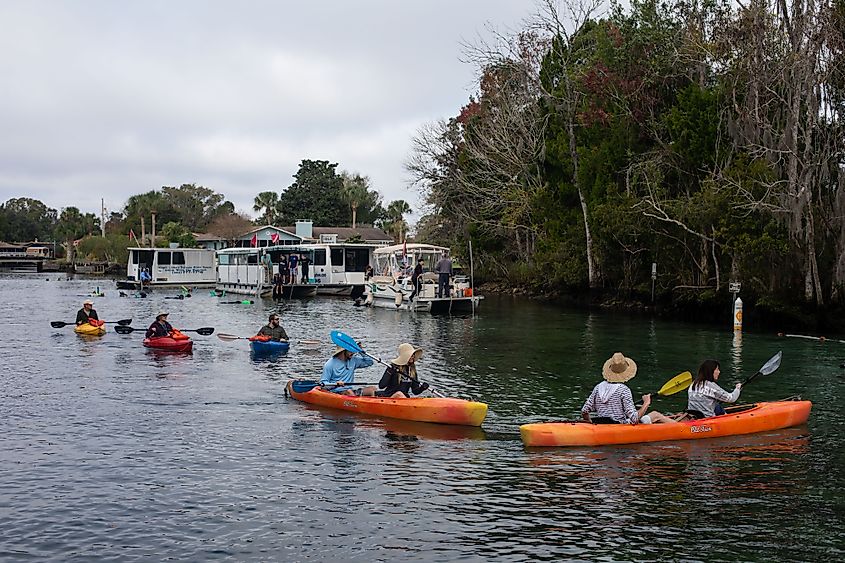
[696,414]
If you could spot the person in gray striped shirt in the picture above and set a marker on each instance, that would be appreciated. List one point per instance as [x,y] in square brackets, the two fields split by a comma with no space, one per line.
[613,401]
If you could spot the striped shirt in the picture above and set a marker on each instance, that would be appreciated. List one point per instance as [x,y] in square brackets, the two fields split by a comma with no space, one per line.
[705,396]
[612,400]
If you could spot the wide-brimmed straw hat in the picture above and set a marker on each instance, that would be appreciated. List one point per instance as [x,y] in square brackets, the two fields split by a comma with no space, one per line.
[618,369]
[87,302]
[338,350]
[406,351]
[160,315]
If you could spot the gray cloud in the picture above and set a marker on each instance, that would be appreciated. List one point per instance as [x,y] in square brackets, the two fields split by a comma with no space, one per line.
[107,99]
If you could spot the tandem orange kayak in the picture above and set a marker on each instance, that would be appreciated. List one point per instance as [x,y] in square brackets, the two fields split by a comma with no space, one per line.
[426,409]
[744,419]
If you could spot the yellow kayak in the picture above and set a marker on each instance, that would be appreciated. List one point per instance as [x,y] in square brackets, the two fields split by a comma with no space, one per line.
[90,330]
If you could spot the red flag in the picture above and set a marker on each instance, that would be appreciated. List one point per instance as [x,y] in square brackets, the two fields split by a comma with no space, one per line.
[131,234]
[274,238]
[254,241]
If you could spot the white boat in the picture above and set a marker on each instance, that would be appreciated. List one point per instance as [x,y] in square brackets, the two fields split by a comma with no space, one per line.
[169,267]
[391,285]
[334,269]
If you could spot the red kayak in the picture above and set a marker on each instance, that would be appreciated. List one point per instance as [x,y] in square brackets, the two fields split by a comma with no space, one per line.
[169,344]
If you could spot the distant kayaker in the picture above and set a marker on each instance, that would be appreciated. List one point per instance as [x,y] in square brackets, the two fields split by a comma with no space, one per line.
[160,328]
[86,313]
[339,370]
[400,379]
[613,401]
[705,396]
[272,330]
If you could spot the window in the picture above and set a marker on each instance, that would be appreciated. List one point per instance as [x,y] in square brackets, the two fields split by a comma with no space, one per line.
[357,259]
[134,259]
[337,257]
[179,258]
[223,259]
[320,257]
[252,259]
[163,258]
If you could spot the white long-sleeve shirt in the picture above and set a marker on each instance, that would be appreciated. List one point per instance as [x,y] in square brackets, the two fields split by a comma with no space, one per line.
[612,400]
[707,395]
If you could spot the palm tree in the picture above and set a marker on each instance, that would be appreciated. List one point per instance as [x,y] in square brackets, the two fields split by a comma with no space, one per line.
[395,218]
[355,191]
[267,202]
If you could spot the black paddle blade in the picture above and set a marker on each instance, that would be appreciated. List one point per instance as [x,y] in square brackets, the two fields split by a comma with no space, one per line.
[125,329]
[205,331]
[125,322]
[58,324]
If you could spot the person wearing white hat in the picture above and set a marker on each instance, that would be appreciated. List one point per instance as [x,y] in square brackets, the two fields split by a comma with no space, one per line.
[87,313]
[612,399]
[339,371]
[400,379]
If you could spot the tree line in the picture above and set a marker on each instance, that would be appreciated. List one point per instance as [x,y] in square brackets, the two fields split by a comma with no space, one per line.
[706,136]
[318,193]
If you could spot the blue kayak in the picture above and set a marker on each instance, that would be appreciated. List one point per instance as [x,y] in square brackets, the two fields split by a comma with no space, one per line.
[269,347]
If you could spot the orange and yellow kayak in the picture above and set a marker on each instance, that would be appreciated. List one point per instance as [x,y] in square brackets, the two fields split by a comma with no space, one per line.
[746,419]
[89,329]
[425,409]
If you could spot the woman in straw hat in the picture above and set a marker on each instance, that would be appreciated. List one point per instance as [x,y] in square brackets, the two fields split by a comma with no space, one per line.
[400,379]
[613,401]
[339,371]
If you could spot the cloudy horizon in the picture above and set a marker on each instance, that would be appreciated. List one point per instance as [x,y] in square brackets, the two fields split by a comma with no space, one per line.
[110,99]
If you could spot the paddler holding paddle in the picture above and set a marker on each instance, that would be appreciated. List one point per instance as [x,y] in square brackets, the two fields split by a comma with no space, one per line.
[161,329]
[87,314]
[339,371]
[272,331]
[613,401]
[400,378]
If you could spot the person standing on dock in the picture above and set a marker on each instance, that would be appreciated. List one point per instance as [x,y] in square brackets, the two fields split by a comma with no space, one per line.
[444,272]
[304,262]
[292,261]
[415,279]
[87,313]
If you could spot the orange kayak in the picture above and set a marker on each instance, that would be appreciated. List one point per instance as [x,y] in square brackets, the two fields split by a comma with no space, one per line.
[745,419]
[426,409]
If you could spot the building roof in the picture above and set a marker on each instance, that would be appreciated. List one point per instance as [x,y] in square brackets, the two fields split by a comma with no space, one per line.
[206,237]
[345,233]
[7,245]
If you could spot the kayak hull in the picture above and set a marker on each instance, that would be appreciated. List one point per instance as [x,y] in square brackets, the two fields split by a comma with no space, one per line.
[759,417]
[89,330]
[426,409]
[169,344]
[269,347]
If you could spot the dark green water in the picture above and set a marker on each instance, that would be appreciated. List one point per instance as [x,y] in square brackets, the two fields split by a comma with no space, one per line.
[109,451]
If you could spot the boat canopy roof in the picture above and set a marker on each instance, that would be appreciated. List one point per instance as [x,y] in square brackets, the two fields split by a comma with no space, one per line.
[412,247]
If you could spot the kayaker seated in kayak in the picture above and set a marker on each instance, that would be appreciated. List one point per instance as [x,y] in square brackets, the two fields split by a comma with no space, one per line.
[87,314]
[400,379]
[161,329]
[613,401]
[705,396]
[272,331]
[339,371]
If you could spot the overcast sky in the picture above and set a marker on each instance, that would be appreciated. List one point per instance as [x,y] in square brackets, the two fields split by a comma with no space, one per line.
[113,98]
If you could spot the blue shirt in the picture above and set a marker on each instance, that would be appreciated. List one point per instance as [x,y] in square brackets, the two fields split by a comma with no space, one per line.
[338,370]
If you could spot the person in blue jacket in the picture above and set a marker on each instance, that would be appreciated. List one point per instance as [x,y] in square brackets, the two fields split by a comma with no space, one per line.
[339,371]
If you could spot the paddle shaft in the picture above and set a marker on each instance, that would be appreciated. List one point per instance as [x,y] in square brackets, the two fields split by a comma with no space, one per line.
[204,331]
[62,324]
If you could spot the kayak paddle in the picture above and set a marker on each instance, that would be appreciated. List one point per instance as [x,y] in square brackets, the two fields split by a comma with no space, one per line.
[303,386]
[60,324]
[347,343]
[243,302]
[205,331]
[674,385]
[769,367]
[230,337]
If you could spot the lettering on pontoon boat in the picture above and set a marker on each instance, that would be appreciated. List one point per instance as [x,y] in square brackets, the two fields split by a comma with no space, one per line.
[703,428]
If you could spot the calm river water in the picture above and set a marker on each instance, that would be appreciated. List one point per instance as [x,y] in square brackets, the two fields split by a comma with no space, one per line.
[111,452]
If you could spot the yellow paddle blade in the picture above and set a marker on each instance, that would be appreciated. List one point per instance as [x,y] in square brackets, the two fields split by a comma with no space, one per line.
[677,383]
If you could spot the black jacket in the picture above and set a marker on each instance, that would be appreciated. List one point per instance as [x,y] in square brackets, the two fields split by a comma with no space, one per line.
[395,379]
[82,317]
[159,329]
